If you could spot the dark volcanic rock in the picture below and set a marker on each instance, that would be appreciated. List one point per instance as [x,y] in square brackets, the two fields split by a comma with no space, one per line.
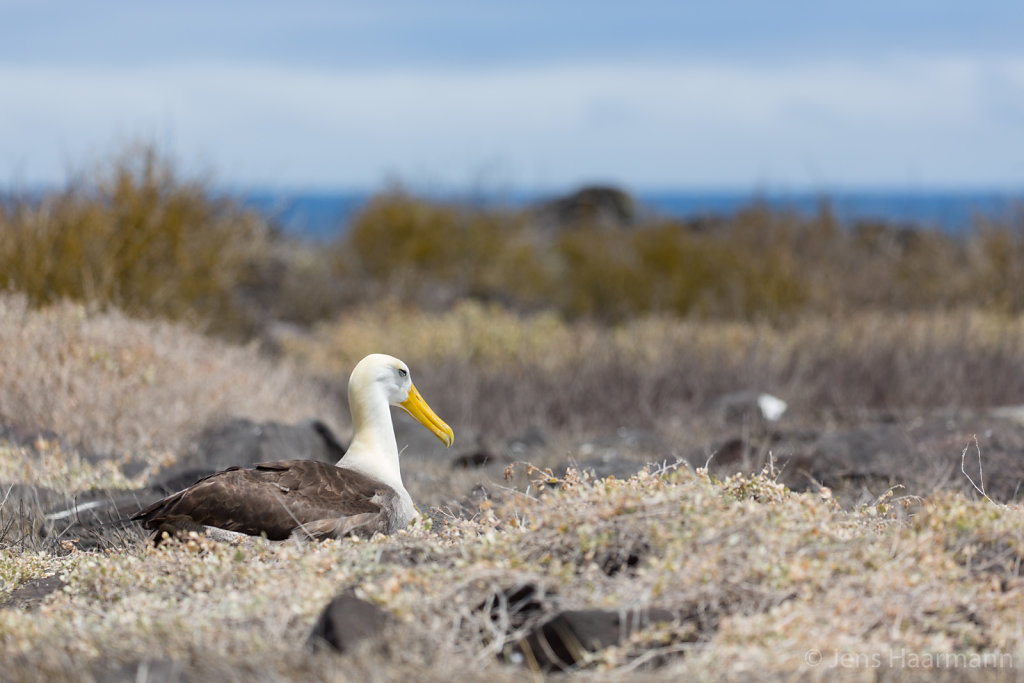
[558,639]
[480,458]
[24,499]
[347,621]
[31,593]
[602,467]
[38,440]
[531,438]
[97,509]
[621,453]
[589,207]
[570,636]
[517,604]
[27,437]
[95,518]
[870,451]
[923,453]
[727,453]
[175,480]
[243,443]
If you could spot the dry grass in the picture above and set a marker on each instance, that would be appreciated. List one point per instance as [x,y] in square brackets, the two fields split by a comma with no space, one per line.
[116,385]
[775,577]
[110,385]
[765,577]
[513,370]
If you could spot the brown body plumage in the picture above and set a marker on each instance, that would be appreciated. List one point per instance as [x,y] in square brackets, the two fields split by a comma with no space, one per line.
[302,497]
[363,494]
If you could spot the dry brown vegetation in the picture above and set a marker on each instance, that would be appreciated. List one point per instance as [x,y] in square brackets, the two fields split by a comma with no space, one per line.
[544,345]
[136,237]
[139,237]
[766,583]
[761,578]
[115,385]
[757,264]
[513,370]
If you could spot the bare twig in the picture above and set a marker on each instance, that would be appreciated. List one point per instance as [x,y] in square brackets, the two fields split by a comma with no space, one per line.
[979,487]
[666,467]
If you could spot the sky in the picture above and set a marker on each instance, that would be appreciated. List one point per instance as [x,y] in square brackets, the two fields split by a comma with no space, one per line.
[526,95]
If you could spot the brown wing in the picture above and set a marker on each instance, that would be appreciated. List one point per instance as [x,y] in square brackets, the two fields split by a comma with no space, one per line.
[275,499]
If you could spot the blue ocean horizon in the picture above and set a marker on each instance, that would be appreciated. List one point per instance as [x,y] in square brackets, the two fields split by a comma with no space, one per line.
[324,215]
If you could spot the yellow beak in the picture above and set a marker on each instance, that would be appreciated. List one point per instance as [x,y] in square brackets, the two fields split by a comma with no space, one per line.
[418,408]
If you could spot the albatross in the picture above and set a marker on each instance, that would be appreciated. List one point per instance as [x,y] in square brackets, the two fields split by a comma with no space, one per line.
[361,494]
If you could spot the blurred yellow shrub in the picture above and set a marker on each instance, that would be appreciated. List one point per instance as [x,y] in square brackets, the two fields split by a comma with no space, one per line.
[137,238]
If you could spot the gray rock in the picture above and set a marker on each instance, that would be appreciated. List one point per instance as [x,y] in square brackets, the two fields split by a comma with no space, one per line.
[602,467]
[533,437]
[243,443]
[27,437]
[558,639]
[31,593]
[589,207]
[479,458]
[346,622]
[566,639]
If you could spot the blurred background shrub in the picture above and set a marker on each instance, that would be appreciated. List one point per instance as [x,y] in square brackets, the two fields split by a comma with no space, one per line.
[138,237]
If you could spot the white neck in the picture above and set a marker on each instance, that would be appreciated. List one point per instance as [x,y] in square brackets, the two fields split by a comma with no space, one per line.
[373,451]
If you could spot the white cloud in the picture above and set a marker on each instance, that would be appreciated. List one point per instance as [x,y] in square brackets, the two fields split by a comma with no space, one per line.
[925,121]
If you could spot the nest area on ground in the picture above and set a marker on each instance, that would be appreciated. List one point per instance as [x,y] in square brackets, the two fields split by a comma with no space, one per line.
[667,569]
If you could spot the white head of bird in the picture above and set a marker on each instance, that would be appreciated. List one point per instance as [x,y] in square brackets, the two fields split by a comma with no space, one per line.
[378,382]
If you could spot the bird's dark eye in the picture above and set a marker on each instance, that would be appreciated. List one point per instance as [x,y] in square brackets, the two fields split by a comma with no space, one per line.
[402,372]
